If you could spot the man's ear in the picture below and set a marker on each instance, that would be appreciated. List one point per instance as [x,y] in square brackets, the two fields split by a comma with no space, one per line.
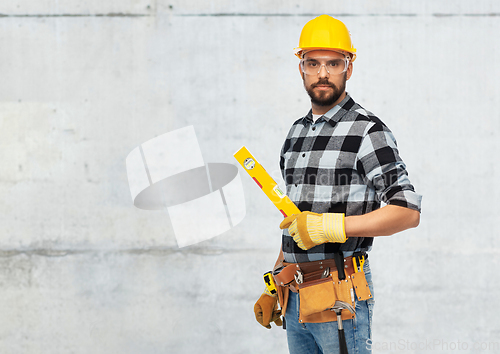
[301,73]
[349,71]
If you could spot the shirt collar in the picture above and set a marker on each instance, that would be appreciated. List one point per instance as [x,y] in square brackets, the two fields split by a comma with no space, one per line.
[334,115]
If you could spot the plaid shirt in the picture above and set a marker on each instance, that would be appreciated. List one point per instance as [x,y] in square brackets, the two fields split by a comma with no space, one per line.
[345,162]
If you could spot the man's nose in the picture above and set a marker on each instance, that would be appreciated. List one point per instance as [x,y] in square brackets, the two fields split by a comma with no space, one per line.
[323,72]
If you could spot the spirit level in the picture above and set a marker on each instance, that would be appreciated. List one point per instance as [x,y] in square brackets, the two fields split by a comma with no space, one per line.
[265,182]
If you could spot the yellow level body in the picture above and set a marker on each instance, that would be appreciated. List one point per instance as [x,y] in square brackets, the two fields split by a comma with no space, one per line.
[265,182]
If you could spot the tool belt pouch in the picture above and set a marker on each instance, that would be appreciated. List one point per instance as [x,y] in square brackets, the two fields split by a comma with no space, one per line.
[316,296]
[282,298]
[361,286]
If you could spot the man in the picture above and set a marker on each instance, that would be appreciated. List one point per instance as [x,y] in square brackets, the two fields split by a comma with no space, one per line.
[339,163]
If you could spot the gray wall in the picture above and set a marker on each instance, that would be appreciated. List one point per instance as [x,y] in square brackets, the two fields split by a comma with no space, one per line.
[85,82]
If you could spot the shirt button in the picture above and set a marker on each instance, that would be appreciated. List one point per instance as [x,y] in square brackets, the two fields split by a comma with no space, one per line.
[295,184]
[303,155]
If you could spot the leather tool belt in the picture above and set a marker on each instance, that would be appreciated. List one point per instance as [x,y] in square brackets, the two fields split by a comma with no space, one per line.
[319,284]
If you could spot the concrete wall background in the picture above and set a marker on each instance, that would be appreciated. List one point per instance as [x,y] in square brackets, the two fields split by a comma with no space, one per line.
[84,82]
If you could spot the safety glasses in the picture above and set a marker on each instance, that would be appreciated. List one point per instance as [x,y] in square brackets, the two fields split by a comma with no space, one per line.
[312,66]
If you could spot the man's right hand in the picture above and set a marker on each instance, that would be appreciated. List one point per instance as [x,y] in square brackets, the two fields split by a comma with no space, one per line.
[312,229]
[266,312]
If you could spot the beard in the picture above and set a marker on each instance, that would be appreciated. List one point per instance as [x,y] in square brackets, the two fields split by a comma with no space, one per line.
[326,98]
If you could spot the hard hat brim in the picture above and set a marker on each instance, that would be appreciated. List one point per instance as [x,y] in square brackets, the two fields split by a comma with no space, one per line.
[300,52]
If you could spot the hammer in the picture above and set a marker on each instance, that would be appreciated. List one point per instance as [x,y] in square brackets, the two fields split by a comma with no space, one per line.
[338,307]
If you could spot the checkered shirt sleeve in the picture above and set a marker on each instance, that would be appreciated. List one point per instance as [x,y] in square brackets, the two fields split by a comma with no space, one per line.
[347,162]
[379,162]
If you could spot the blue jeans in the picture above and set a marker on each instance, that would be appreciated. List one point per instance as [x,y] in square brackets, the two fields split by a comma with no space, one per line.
[322,338]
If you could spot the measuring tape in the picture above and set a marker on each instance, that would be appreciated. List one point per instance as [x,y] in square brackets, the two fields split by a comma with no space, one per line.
[271,286]
[265,182]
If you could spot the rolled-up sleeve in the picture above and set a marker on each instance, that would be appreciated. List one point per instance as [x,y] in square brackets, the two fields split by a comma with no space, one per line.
[378,161]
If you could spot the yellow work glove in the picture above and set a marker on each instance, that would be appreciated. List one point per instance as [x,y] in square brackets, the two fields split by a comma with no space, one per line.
[265,310]
[311,229]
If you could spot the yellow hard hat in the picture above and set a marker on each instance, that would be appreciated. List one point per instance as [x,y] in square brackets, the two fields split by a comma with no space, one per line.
[325,32]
